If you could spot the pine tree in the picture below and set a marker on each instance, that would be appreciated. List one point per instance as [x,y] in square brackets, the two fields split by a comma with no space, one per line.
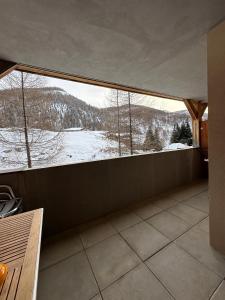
[175,137]
[183,137]
[182,134]
[152,140]
[149,139]
[188,133]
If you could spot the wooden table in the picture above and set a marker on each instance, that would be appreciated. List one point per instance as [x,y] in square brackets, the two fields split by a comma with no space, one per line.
[20,239]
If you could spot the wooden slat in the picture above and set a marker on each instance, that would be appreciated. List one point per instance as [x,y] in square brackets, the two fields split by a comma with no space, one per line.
[13,219]
[23,239]
[14,283]
[21,224]
[16,263]
[12,247]
[28,280]
[10,255]
[13,224]
[13,237]
[6,285]
[11,251]
[19,249]
[15,232]
[16,257]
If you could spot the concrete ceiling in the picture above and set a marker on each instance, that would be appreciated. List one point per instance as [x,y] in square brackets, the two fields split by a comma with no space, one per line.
[157,45]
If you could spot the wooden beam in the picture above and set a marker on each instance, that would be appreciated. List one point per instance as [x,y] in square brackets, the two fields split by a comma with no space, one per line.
[6,67]
[196,110]
[201,109]
[76,78]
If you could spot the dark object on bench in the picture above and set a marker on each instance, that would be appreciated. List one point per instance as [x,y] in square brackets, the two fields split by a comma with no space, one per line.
[9,204]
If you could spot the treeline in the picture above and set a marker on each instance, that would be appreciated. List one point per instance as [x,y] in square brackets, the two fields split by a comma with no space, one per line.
[182,134]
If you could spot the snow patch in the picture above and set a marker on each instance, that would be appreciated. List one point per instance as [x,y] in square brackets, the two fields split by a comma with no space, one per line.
[177,146]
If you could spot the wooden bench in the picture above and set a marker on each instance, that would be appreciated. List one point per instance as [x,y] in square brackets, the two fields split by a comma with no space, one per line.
[20,239]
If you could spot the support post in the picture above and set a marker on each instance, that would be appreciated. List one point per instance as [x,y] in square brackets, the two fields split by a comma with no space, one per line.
[216,96]
[196,110]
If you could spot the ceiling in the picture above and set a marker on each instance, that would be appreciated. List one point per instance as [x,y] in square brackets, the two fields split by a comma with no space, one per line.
[157,45]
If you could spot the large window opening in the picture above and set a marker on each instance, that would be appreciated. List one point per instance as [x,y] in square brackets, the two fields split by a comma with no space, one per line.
[47,121]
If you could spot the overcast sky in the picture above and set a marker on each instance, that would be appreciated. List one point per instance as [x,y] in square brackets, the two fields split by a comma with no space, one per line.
[97,96]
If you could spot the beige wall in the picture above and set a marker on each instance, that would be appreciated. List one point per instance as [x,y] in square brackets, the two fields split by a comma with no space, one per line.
[73,194]
[216,91]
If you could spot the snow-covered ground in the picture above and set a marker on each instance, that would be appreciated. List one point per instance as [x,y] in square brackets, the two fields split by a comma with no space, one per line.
[50,148]
[73,145]
[176,146]
[86,145]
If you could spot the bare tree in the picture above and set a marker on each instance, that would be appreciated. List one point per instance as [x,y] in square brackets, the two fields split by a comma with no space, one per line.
[27,134]
[29,163]
[124,103]
[130,123]
[132,99]
[113,100]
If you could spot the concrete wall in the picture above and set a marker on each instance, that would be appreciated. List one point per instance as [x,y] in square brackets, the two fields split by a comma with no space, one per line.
[216,91]
[73,194]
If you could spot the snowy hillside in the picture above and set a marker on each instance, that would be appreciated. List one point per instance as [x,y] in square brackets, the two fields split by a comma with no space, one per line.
[73,146]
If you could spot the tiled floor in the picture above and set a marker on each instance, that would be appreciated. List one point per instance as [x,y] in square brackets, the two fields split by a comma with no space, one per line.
[158,250]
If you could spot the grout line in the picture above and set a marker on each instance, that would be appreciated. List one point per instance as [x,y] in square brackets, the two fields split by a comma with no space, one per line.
[121,276]
[118,231]
[202,263]
[206,214]
[92,271]
[114,233]
[106,238]
[174,242]
[143,261]
[194,207]
[138,265]
[166,288]
[60,260]
[214,291]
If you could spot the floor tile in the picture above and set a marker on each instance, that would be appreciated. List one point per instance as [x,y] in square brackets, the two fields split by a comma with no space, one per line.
[70,279]
[123,220]
[186,192]
[219,293]
[165,201]
[204,225]
[139,283]
[144,239]
[87,225]
[97,234]
[201,185]
[59,247]
[184,276]
[196,242]
[111,259]
[200,202]
[189,214]
[170,225]
[147,210]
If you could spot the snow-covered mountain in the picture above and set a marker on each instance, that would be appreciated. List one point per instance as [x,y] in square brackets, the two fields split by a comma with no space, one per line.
[52,108]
